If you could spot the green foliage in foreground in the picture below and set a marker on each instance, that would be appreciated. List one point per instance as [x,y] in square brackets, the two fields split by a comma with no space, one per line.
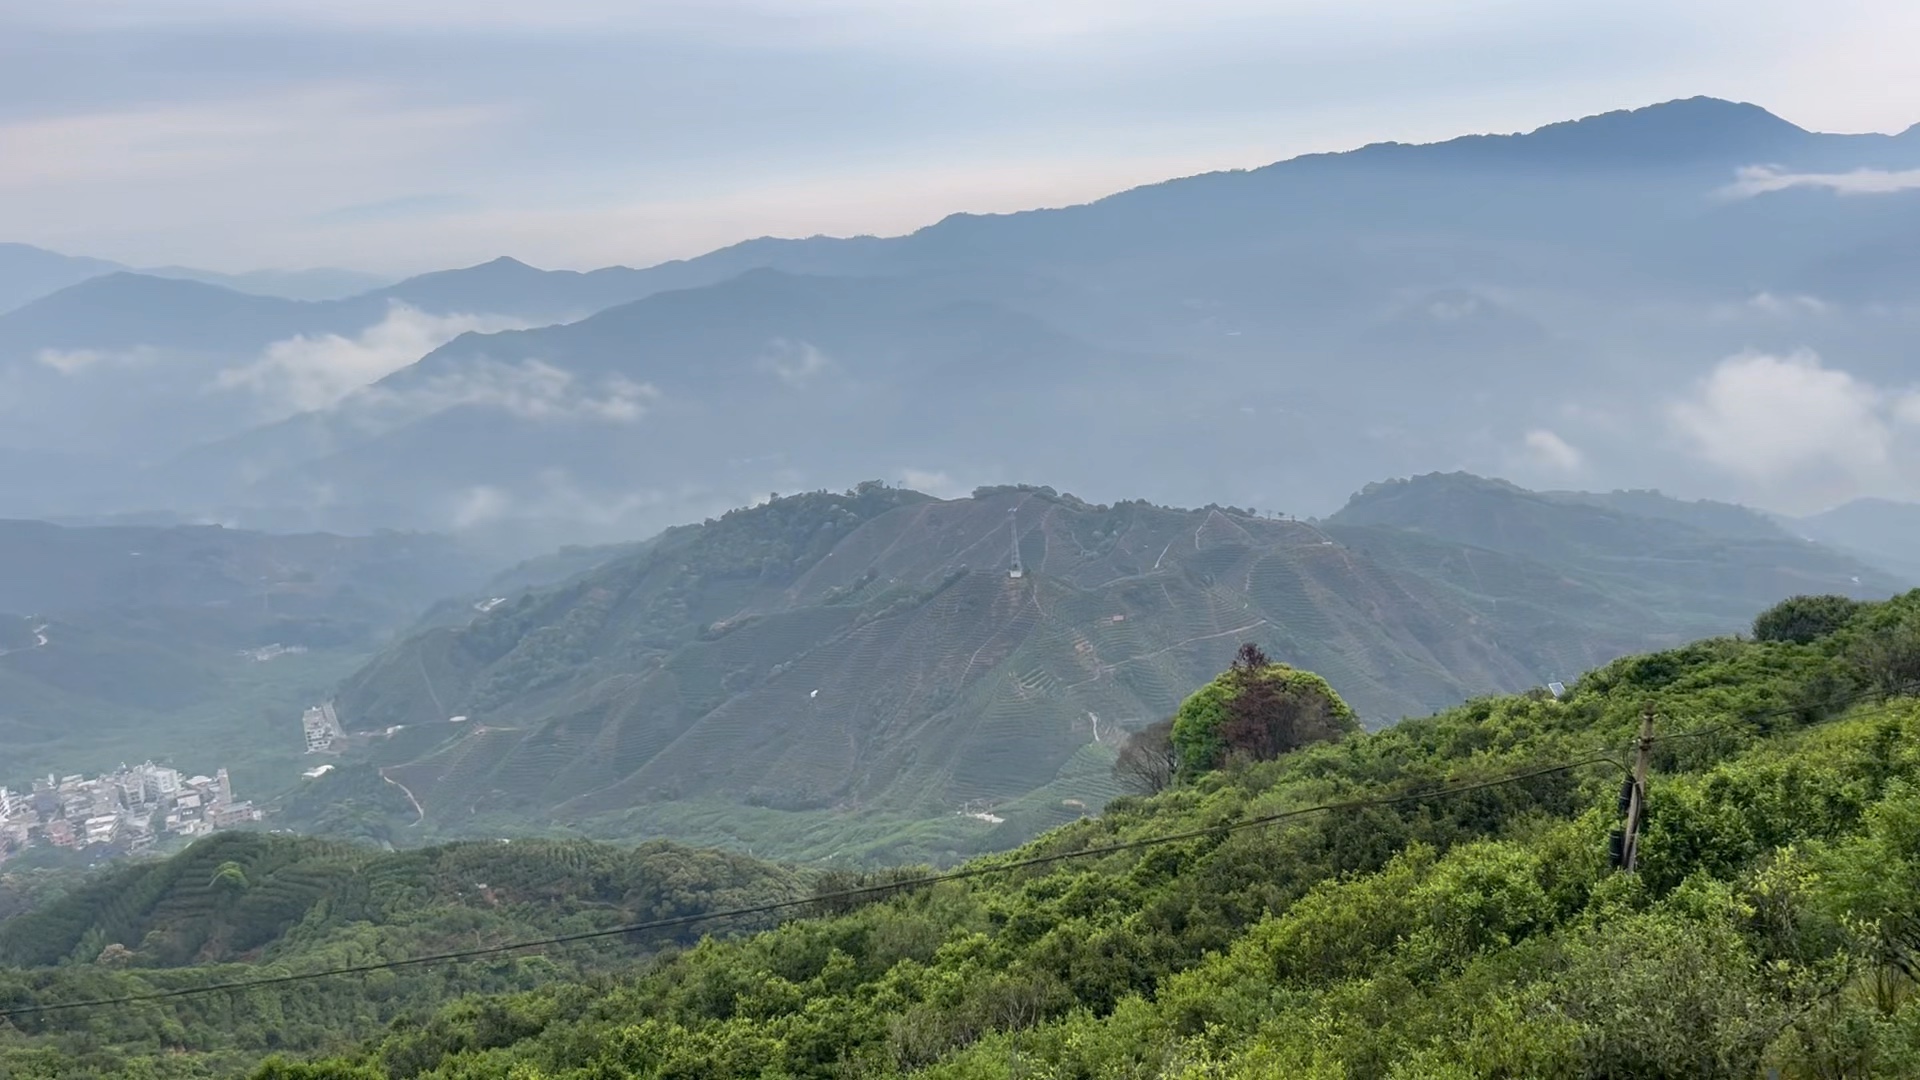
[242,906]
[1773,924]
[1805,618]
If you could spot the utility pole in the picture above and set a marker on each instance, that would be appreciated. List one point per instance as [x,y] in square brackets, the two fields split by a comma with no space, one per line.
[1637,809]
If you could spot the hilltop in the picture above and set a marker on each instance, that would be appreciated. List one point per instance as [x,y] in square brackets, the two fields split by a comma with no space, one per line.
[1704,563]
[863,674]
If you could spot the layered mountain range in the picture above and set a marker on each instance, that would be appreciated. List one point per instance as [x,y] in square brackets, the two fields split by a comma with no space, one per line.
[1547,305]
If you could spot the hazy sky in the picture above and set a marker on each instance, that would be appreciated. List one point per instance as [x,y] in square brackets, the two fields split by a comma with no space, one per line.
[399,135]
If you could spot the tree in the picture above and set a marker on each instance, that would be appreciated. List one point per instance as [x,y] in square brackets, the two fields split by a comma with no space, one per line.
[230,880]
[1257,709]
[1148,761]
[1801,619]
[1889,650]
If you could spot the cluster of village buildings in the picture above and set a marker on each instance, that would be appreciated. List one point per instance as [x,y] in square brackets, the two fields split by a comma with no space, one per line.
[122,812]
[128,811]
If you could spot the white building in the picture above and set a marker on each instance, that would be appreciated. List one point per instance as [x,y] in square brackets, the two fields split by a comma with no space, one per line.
[322,728]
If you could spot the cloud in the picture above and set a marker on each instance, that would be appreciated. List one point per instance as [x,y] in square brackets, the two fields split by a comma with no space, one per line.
[795,363]
[938,484]
[75,361]
[1761,179]
[556,498]
[762,21]
[1547,450]
[225,132]
[328,127]
[1454,310]
[528,389]
[480,505]
[1773,305]
[398,208]
[1906,410]
[1798,431]
[302,373]
[233,132]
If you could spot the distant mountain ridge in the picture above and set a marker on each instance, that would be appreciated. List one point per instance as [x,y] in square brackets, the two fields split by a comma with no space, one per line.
[1882,531]
[1343,314]
[28,273]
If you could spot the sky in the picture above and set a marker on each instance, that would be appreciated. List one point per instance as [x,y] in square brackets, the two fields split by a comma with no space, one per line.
[404,135]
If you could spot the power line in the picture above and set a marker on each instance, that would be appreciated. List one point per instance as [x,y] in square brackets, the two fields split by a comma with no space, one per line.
[965,873]
[783,905]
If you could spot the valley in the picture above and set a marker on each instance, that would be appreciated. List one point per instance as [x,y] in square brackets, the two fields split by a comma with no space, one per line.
[1434,609]
[191,644]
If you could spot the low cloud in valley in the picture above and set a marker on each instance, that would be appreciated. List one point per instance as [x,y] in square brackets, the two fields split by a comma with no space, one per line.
[1761,179]
[1800,435]
[528,389]
[303,373]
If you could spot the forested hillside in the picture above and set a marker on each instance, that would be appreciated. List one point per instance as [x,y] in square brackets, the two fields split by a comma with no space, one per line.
[243,906]
[1433,900]
[863,674]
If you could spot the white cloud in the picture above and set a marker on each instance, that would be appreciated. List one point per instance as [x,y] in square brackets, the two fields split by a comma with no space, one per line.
[75,361]
[1760,179]
[556,498]
[1797,431]
[938,484]
[529,389]
[1907,409]
[480,505]
[1547,450]
[304,373]
[795,363]
[1775,305]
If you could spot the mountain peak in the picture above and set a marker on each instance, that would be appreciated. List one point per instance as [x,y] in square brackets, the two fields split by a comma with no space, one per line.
[132,287]
[506,262]
[505,271]
[1698,116]
[1678,132]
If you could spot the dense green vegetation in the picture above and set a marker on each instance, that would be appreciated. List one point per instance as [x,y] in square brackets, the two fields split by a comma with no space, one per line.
[1805,618]
[243,906]
[1480,932]
[1257,709]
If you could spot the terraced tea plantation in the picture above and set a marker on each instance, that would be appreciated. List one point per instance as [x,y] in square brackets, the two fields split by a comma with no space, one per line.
[879,674]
